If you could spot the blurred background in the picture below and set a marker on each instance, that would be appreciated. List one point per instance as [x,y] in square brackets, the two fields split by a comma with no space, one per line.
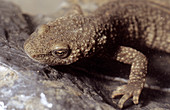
[39,6]
[51,6]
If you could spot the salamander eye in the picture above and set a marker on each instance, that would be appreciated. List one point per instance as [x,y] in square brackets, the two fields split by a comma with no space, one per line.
[61,51]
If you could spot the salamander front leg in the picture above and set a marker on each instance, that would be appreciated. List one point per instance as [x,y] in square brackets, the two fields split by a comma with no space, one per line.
[137,75]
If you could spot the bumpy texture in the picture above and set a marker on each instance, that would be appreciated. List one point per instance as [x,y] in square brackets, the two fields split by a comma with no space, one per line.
[120,28]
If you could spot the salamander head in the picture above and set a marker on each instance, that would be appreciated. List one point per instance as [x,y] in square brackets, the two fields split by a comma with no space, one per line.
[62,41]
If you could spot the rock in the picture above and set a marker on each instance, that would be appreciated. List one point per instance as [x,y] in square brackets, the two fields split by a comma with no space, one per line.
[85,85]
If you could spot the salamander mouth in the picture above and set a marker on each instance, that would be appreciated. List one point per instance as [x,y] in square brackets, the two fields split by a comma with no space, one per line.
[47,59]
[38,57]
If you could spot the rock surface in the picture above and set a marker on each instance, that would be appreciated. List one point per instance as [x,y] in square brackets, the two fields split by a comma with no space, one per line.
[85,85]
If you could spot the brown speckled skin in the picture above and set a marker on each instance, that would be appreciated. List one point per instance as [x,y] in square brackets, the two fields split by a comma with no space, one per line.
[127,24]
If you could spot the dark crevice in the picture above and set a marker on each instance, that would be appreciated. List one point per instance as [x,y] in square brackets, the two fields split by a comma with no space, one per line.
[30,24]
[6,35]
